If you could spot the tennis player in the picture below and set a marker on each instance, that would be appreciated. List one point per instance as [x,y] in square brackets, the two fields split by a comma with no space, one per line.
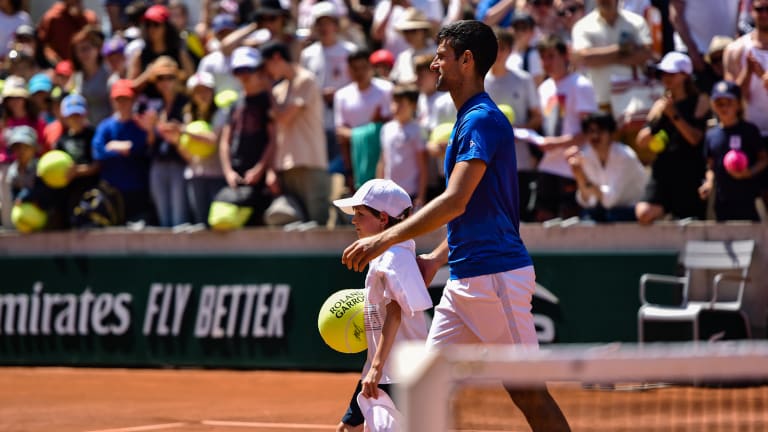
[488,296]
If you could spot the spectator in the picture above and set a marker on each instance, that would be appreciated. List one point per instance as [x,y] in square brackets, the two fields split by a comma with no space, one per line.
[416,31]
[610,177]
[113,53]
[120,145]
[569,12]
[20,62]
[19,110]
[327,60]
[40,88]
[59,24]
[25,39]
[191,41]
[675,130]
[403,150]
[115,9]
[389,13]
[91,74]
[12,17]
[363,102]
[714,70]
[746,63]
[524,55]
[76,141]
[166,173]
[496,12]
[567,97]
[247,141]
[301,159]
[203,175]
[22,173]
[271,16]
[697,23]
[544,15]
[735,189]
[609,42]
[161,38]
[217,61]
[62,74]
[382,62]
[515,88]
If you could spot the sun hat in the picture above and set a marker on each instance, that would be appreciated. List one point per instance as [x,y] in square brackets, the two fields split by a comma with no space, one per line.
[413,19]
[675,62]
[73,104]
[15,86]
[379,194]
[202,78]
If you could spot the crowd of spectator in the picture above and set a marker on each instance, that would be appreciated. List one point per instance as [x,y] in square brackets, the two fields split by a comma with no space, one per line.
[264,111]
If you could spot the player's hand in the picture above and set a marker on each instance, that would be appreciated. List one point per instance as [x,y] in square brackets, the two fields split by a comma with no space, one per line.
[371,383]
[357,255]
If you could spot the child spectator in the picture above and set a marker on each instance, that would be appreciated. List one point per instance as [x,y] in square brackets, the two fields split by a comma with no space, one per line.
[403,150]
[395,294]
[203,175]
[610,177]
[735,189]
[22,173]
[120,145]
[382,62]
[40,87]
[113,52]
[19,109]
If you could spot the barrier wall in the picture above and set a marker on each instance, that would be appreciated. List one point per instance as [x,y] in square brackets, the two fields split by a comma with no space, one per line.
[251,298]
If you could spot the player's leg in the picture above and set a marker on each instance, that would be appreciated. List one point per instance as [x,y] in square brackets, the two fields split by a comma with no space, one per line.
[515,289]
[353,419]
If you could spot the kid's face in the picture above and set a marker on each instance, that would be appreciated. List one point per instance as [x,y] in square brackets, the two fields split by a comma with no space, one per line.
[366,224]
[23,152]
[74,121]
[725,108]
[402,108]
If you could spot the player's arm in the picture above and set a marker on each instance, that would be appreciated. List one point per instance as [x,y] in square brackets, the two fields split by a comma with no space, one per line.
[387,341]
[444,208]
[430,263]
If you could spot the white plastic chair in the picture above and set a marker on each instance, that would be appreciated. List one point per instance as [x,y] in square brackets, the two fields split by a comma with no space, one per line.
[730,259]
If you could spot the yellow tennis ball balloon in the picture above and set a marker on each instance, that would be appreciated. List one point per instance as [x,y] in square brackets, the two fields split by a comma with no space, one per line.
[53,168]
[509,112]
[224,216]
[341,321]
[440,134]
[27,217]
[194,146]
[225,98]
[659,141]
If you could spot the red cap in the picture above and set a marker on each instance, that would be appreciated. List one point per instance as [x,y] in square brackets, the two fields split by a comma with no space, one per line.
[157,13]
[122,88]
[382,56]
[65,68]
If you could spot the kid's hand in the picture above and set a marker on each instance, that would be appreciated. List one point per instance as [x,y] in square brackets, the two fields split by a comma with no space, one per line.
[740,175]
[254,175]
[705,190]
[233,179]
[371,383]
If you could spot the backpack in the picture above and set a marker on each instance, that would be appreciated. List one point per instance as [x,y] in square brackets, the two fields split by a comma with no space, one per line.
[99,207]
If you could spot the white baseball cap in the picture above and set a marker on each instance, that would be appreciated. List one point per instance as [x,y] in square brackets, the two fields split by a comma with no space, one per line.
[246,57]
[379,194]
[324,9]
[203,78]
[675,62]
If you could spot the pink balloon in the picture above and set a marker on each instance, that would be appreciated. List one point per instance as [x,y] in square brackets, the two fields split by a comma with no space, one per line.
[735,161]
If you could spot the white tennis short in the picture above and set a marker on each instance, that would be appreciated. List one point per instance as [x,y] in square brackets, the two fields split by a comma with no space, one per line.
[492,309]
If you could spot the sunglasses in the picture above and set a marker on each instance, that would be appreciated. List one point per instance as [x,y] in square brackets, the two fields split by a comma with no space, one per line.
[760,9]
[541,2]
[154,24]
[166,77]
[570,10]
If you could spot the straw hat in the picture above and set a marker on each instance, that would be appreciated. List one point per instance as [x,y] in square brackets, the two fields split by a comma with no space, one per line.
[413,19]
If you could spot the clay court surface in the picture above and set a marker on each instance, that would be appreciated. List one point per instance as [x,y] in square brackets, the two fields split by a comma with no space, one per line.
[128,400]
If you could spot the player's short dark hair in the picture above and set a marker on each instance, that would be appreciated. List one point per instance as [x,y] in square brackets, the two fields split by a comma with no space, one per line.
[473,36]
[359,54]
[552,42]
[406,91]
[604,121]
[272,47]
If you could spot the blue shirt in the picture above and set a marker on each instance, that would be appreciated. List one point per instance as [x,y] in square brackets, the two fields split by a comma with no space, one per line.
[125,173]
[486,238]
[482,10]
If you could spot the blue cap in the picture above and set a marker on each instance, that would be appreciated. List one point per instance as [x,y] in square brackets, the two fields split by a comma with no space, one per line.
[223,22]
[40,82]
[112,46]
[73,104]
[726,89]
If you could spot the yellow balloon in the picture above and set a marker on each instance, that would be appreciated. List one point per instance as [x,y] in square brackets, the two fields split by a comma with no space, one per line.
[659,141]
[509,112]
[53,168]
[341,321]
[440,135]
[225,98]
[224,216]
[28,217]
[196,147]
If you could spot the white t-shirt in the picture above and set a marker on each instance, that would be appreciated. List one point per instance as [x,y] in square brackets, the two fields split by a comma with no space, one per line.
[756,108]
[401,145]
[622,180]
[706,19]
[515,61]
[593,31]
[395,276]
[329,64]
[563,102]
[217,64]
[516,89]
[353,107]
[403,70]
[8,26]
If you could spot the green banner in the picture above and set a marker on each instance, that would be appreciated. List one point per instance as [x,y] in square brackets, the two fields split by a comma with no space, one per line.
[257,311]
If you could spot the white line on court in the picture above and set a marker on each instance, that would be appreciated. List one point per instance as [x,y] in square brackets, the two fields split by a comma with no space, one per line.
[266,425]
[144,428]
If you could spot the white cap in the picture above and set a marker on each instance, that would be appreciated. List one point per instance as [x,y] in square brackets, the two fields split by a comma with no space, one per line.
[324,9]
[379,194]
[380,414]
[675,62]
[246,57]
[203,78]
